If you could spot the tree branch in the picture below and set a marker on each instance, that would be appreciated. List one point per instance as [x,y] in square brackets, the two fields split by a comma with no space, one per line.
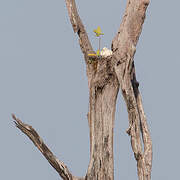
[130,29]
[78,27]
[123,47]
[147,155]
[58,165]
[84,42]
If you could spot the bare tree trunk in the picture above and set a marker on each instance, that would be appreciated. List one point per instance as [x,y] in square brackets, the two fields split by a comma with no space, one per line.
[105,76]
[103,94]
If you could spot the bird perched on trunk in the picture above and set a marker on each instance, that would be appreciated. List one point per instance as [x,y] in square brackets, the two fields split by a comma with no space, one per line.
[106,52]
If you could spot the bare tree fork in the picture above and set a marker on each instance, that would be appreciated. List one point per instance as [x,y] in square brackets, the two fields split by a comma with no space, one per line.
[121,67]
[103,90]
[105,75]
[123,46]
[58,165]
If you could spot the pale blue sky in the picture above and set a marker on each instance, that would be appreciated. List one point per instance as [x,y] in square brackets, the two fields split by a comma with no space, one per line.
[43,81]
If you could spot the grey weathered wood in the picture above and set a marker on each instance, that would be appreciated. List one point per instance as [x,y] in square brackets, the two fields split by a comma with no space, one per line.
[58,165]
[123,46]
[104,88]
[105,76]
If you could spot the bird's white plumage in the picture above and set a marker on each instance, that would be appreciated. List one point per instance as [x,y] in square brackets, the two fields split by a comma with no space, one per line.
[106,52]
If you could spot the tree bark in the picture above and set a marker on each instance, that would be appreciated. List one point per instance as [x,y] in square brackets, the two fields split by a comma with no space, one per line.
[103,94]
[58,165]
[105,76]
[122,63]
[123,47]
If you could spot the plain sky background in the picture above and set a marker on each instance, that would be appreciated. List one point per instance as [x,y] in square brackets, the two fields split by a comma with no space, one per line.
[43,81]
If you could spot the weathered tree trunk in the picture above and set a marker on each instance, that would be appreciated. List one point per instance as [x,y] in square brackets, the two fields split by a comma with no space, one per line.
[104,87]
[105,76]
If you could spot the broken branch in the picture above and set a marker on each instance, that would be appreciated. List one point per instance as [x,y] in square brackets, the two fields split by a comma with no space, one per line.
[58,165]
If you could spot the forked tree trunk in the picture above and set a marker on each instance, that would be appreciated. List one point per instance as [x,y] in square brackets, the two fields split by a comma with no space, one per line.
[105,76]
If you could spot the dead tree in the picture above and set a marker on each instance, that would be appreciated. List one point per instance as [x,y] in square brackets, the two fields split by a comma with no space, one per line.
[105,76]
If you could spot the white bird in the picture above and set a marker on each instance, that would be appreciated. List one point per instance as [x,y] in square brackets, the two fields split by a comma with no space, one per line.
[106,52]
